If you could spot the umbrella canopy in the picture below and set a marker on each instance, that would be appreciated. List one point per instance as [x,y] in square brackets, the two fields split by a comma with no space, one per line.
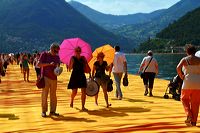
[108,51]
[67,49]
[197,54]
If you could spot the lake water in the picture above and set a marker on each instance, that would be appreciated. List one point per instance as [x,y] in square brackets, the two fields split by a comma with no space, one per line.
[167,64]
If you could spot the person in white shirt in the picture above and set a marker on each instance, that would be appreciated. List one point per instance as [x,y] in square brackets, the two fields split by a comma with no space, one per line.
[149,66]
[119,67]
[37,68]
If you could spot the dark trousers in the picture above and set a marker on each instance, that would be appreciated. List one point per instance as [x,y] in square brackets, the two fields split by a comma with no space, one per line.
[149,79]
[38,71]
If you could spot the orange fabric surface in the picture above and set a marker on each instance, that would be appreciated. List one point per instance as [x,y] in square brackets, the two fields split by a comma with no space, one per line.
[20,109]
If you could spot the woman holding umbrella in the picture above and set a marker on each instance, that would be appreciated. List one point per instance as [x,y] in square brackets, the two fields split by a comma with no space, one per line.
[98,73]
[78,78]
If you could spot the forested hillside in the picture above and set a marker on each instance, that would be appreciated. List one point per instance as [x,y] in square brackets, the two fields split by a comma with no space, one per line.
[29,25]
[141,32]
[181,32]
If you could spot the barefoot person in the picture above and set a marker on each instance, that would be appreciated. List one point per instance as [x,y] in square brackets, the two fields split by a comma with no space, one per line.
[77,79]
[191,85]
[49,61]
[99,75]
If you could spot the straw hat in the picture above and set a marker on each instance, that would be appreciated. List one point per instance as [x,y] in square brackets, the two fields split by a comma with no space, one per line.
[58,71]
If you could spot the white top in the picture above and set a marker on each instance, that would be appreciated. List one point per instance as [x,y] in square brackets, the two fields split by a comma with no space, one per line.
[192,77]
[118,63]
[36,60]
[152,65]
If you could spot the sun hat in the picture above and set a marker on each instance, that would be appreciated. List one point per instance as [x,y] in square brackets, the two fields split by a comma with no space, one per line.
[197,54]
[58,71]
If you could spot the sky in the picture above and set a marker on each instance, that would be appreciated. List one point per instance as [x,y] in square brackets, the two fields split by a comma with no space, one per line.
[124,7]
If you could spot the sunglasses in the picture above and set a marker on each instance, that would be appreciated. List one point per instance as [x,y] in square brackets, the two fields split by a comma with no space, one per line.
[78,51]
[56,51]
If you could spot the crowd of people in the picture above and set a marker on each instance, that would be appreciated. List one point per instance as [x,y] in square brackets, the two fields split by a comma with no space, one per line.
[44,63]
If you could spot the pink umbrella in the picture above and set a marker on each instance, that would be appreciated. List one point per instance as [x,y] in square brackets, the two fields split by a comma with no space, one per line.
[68,46]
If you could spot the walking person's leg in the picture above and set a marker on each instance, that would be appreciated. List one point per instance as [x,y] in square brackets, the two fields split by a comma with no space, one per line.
[21,68]
[45,92]
[28,74]
[145,82]
[104,87]
[97,95]
[195,103]
[96,99]
[74,92]
[37,70]
[24,72]
[53,97]
[117,77]
[151,83]
[83,98]
[185,98]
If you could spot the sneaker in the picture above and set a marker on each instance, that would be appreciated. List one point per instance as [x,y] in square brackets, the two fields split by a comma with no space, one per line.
[145,93]
[119,98]
[54,114]
[193,123]
[43,114]
[108,105]
[188,121]
[150,94]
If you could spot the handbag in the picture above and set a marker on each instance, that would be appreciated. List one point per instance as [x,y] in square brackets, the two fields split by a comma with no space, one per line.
[40,83]
[110,85]
[142,73]
[125,80]
[92,88]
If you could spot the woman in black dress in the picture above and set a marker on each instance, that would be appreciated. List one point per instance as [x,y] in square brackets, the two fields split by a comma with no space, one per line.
[78,79]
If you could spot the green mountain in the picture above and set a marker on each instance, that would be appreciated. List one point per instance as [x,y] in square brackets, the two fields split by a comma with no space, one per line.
[185,30]
[29,25]
[109,21]
[181,32]
[142,31]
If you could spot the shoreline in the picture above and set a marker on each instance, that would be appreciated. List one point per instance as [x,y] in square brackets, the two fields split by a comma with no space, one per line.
[155,53]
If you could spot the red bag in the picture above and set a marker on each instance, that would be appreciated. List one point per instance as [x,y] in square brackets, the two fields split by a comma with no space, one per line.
[40,83]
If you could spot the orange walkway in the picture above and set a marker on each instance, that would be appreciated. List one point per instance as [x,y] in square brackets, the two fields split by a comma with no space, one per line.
[20,109]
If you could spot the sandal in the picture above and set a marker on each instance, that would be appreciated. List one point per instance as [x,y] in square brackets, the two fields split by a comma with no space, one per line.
[84,109]
[108,105]
[188,121]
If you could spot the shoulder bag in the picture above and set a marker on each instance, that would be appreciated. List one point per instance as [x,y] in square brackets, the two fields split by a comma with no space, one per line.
[142,73]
